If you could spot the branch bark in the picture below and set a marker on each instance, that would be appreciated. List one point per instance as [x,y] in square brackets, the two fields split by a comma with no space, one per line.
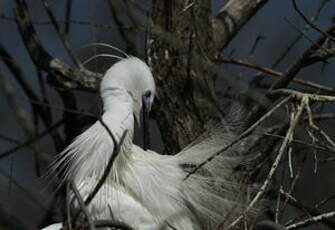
[68,77]
[231,18]
[181,47]
[185,42]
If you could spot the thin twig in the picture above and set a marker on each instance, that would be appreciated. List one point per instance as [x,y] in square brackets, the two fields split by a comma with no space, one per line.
[68,206]
[309,22]
[61,108]
[300,35]
[240,137]
[61,35]
[286,141]
[257,41]
[129,39]
[293,183]
[312,220]
[26,192]
[82,206]
[78,22]
[24,119]
[107,169]
[9,139]
[324,201]
[289,153]
[308,212]
[116,150]
[66,76]
[30,141]
[304,61]
[67,16]
[40,109]
[299,95]
[275,73]
[324,116]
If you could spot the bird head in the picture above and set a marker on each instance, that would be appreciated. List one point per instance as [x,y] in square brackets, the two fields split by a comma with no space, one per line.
[130,77]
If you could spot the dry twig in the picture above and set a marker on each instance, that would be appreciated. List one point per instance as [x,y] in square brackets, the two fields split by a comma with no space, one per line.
[288,138]
[240,137]
[276,73]
[312,220]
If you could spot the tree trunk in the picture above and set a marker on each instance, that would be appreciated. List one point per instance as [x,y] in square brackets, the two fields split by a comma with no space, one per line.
[186,39]
[182,43]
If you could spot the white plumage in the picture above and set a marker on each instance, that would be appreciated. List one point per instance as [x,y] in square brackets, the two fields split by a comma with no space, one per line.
[145,189]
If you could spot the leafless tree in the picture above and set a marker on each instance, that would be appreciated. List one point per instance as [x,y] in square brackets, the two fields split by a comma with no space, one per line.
[288,119]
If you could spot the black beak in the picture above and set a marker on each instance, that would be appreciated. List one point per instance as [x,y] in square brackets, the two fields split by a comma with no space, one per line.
[145,120]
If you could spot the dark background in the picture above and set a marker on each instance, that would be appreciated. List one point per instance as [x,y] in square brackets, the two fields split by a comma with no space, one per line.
[27,197]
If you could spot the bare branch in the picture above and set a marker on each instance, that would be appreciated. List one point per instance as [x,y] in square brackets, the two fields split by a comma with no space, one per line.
[25,191]
[309,212]
[288,137]
[240,137]
[300,96]
[312,220]
[232,18]
[300,35]
[297,141]
[305,59]
[82,206]
[17,72]
[115,152]
[39,107]
[61,35]
[68,206]
[24,118]
[30,141]
[23,115]
[68,16]
[130,42]
[78,22]
[268,225]
[109,166]
[309,22]
[275,73]
[70,77]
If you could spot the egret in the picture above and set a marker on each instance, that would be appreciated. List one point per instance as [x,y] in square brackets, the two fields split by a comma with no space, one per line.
[145,189]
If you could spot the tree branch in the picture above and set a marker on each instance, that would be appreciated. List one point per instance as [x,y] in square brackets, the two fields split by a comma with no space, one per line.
[275,73]
[311,220]
[306,59]
[231,18]
[70,77]
[82,206]
[325,34]
[62,35]
[40,108]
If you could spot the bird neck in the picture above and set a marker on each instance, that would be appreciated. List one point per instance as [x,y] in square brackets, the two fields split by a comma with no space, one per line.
[118,117]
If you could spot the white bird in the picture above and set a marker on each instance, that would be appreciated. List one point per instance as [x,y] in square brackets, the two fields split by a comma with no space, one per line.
[144,189]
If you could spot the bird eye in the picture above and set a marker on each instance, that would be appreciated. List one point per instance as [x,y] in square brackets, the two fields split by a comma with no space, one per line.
[147,93]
